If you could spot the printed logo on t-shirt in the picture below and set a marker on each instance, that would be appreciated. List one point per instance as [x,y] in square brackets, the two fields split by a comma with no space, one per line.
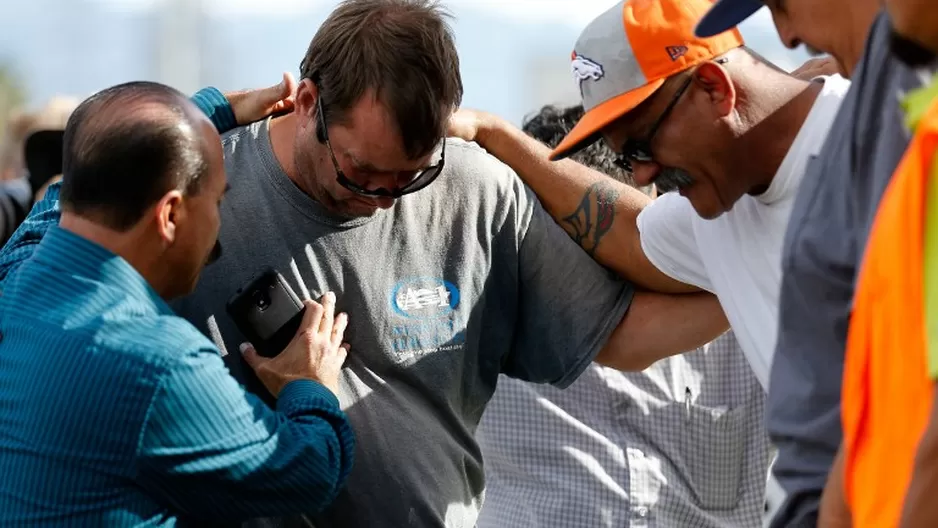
[426,317]
[424,298]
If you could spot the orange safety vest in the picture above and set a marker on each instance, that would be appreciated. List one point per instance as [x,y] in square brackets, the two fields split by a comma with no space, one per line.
[887,390]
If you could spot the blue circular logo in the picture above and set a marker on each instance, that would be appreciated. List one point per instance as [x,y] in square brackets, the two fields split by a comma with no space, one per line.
[424,298]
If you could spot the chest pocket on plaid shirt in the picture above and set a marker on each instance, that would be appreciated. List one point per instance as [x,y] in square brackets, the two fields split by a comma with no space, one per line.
[704,444]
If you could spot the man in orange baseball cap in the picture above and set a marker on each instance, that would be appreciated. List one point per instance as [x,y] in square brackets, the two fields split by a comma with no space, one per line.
[731,131]
[624,57]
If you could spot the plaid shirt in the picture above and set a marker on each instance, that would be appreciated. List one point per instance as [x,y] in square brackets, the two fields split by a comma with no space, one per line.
[680,444]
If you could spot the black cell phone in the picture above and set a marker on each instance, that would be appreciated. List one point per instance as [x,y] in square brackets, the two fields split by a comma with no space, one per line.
[267,312]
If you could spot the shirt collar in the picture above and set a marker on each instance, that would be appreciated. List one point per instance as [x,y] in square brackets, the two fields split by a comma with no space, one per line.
[63,250]
[917,102]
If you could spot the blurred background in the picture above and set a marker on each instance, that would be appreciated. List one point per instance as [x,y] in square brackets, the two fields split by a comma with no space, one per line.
[514,53]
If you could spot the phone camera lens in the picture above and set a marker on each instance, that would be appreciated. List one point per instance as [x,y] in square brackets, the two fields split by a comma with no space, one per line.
[261,300]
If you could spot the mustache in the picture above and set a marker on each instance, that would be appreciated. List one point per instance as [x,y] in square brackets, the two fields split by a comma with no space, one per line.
[672,179]
[908,51]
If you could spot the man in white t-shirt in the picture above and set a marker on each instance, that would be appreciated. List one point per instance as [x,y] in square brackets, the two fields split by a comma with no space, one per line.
[706,115]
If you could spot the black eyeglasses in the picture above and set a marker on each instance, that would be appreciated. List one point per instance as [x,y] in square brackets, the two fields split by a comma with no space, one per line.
[640,149]
[420,180]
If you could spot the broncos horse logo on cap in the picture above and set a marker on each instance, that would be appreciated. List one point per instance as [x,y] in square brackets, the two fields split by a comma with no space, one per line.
[584,69]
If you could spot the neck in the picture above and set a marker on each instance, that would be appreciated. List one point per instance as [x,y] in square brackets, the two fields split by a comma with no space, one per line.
[282,136]
[861,17]
[283,140]
[132,245]
[774,126]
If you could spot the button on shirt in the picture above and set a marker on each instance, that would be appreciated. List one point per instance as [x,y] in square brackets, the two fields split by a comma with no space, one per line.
[679,444]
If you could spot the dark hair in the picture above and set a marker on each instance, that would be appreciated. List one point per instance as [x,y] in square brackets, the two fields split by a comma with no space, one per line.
[404,51]
[125,147]
[551,124]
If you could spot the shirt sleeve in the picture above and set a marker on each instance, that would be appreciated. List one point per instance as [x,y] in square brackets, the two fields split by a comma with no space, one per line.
[216,452]
[667,230]
[22,243]
[931,269]
[213,104]
[46,212]
[568,304]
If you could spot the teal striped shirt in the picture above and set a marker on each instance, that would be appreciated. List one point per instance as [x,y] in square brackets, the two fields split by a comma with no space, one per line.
[116,412]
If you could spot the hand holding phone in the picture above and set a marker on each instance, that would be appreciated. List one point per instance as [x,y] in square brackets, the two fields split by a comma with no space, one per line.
[316,352]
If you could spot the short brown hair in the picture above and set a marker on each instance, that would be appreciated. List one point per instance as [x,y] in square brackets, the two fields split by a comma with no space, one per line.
[403,50]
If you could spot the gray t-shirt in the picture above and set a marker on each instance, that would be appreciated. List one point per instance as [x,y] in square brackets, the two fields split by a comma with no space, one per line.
[451,286]
[823,248]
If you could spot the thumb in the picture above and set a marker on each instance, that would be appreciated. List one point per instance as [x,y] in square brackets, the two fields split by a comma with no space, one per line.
[251,356]
[269,96]
[279,97]
[287,86]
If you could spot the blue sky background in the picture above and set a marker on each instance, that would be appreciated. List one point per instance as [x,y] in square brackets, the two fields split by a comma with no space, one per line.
[514,53]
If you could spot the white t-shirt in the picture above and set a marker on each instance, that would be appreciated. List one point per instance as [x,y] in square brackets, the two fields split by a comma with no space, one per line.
[737,256]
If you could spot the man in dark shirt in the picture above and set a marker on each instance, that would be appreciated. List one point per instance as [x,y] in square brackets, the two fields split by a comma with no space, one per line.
[827,232]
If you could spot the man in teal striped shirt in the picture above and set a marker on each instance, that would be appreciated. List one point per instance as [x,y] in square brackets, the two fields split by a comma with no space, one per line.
[113,410]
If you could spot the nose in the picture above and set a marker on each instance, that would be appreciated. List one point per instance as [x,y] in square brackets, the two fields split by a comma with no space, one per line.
[644,173]
[380,181]
[785,31]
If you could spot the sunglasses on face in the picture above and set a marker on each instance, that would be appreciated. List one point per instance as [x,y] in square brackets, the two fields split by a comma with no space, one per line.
[419,180]
[639,150]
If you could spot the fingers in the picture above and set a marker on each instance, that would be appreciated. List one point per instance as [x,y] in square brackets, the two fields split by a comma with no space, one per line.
[338,329]
[289,86]
[282,95]
[328,314]
[344,350]
[816,67]
[251,357]
[270,95]
[313,316]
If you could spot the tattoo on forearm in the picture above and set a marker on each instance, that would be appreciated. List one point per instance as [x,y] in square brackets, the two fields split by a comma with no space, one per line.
[593,218]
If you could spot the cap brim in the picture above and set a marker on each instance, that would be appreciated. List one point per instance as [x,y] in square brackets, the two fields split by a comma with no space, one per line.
[725,15]
[43,155]
[589,128]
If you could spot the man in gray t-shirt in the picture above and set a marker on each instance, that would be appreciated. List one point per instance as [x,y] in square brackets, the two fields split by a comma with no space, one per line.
[465,279]
[446,287]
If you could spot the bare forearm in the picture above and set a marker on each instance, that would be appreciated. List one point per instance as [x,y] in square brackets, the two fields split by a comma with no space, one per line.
[598,212]
[834,510]
[660,325]
[921,508]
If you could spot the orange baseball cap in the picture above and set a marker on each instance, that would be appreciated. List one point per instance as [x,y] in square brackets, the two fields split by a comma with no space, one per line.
[626,54]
